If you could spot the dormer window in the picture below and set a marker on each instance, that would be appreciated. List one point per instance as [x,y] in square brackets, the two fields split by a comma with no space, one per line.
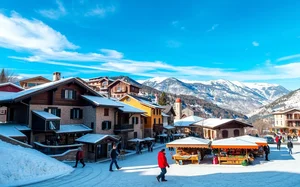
[68,94]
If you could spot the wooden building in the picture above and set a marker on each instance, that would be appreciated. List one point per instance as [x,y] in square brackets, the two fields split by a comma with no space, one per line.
[34,81]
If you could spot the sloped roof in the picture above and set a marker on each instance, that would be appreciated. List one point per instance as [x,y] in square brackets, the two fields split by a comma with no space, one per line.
[233,143]
[37,77]
[73,128]
[216,122]
[12,130]
[164,114]
[17,96]
[11,84]
[102,101]
[169,109]
[45,115]
[126,79]
[286,111]
[257,140]
[94,138]
[185,122]
[189,142]
[169,127]
[144,101]
[129,109]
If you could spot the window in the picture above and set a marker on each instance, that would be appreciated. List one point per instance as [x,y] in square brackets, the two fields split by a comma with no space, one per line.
[68,94]
[76,113]
[154,121]
[135,135]
[158,120]
[106,125]
[135,120]
[145,121]
[53,110]
[106,112]
[153,111]
[236,133]
[119,89]
[91,148]
[224,134]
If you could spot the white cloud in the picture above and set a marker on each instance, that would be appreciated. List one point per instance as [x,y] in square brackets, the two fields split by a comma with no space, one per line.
[296,56]
[101,11]
[213,28]
[17,32]
[173,44]
[255,43]
[45,45]
[178,25]
[54,13]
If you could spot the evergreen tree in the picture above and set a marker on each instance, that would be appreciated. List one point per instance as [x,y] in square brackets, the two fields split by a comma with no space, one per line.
[6,76]
[162,99]
[3,77]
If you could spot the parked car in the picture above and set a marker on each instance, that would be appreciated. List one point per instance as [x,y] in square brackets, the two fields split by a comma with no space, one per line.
[270,139]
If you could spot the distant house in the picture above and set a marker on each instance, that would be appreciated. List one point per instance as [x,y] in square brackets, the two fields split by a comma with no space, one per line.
[218,128]
[115,87]
[6,88]
[152,119]
[189,111]
[287,121]
[168,114]
[34,81]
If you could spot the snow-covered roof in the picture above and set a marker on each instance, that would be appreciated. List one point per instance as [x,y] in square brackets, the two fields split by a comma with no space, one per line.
[136,140]
[164,114]
[233,143]
[257,140]
[129,109]
[286,111]
[93,138]
[169,127]
[149,139]
[101,101]
[69,128]
[189,142]
[11,84]
[215,122]
[178,135]
[145,101]
[45,115]
[186,122]
[10,131]
[43,87]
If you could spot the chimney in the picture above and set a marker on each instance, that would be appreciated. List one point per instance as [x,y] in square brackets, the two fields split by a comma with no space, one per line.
[56,76]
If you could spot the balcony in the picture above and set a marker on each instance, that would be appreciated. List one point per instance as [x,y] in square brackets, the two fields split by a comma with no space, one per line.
[124,128]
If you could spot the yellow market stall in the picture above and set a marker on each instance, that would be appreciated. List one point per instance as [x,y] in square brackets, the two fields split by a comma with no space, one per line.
[189,149]
[232,150]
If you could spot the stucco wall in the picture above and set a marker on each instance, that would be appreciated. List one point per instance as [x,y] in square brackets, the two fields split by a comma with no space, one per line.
[89,116]
[3,116]
[137,128]
[100,118]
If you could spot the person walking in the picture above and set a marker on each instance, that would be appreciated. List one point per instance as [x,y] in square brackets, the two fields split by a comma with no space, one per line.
[151,146]
[113,156]
[290,146]
[267,152]
[279,143]
[162,164]
[79,157]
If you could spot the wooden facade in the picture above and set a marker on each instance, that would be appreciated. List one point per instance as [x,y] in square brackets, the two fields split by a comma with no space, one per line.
[35,81]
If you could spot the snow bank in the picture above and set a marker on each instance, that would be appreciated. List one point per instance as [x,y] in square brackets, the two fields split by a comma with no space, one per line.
[20,166]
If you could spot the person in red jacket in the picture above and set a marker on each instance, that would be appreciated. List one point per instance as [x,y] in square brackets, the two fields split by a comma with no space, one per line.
[163,164]
[79,157]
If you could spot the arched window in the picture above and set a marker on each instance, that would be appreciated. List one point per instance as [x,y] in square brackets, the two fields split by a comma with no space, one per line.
[236,132]
[225,134]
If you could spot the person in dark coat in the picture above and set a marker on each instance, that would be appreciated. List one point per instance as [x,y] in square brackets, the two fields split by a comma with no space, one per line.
[79,157]
[290,146]
[162,164]
[113,156]
[140,148]
[267,152]
[279,143]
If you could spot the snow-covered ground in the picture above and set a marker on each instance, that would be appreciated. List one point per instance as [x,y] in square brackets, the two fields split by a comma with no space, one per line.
[140,170]
[19,166]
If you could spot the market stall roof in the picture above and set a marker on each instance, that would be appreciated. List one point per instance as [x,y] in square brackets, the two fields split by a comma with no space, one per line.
[149,139]
[163,135]
[45,115]
[233,143]
[11,131]
[169,127]
[190,142]
[257,140]
[179,135]
[186,122]
[101,101]
[73,128]
[136,140]
[94,138]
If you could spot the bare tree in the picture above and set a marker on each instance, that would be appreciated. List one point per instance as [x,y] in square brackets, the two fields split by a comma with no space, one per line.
[7,76]
[261,125]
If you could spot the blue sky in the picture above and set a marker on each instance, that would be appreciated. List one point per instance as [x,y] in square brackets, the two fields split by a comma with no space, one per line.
[250,41]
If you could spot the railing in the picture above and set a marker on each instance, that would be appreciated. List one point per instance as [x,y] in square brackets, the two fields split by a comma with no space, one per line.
[54,149]
[124,127]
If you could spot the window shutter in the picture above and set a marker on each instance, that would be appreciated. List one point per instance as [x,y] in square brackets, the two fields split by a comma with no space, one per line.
[132,119]
[59,112]
[103,125]
[71,114]
[74,94]
[137,120]
[80,113]
[109,124]
[63,94]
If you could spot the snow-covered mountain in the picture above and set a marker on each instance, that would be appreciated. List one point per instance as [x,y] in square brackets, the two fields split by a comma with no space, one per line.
[234,95]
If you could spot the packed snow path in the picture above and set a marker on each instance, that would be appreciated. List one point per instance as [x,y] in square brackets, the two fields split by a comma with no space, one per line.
[140,170]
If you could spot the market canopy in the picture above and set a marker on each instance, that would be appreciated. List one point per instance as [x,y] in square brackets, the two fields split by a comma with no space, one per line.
[136,140]
[178,135]
[148,139]
[188,121]
[95,138]
[233,143]
[169,127]
[190,142]
[257,140]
